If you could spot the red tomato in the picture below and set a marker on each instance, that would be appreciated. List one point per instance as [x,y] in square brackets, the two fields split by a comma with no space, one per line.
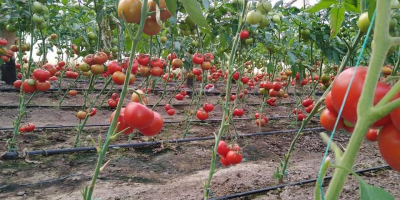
[41,74]
[372,135]
[113,67]
[198,59]
[138,116]
[234,157]
[301,117]
[307,102]
[73,92]
[29,127]
[276,86]
[329,103]
[328,120]
[122,123]
[179,97]
[261,121]
[143,59]
[100,58]
[201,115]
[28,88]
[222,148]
[53,78]
[112,103]
[155,126]
[50,68]
[389,145]
[224,162]
[42,86]
[233,97]
[3,42]
[208,107]
[244,34]
[196,71]
[339,89]
[156,71]
[17,84]
[93,113]
[234,147]
[171,112]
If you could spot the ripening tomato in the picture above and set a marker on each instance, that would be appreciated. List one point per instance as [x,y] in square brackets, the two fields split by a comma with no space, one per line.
[131,10]
[201,115]
[138,116]
[224,162]
[122,123]
[155,126]
[97,69]
[328,120]
[29,127]
[135,97]
[244,34]
[93,113]
[234,157]
[100,58]
[198,59]
[112,103]
[118,77]
[151,26]
[81,114]
[143,59]
[42,86]
[389,145]
[26,87]
[222,148]
[156,71]
[73,92]
[261,122]
[164,15]
[50,68]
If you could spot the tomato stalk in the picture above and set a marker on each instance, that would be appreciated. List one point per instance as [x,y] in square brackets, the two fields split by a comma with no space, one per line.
[22,103]
[91,104]
[365,109]
[135,41]
[225,124]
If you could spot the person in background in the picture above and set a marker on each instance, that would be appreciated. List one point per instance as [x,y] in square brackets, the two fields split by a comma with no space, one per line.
[8,71]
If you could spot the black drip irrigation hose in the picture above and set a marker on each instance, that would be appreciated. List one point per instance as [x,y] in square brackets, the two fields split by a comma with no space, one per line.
[11,155]
[263,190]
[119,89]
[149,105]
[166,122]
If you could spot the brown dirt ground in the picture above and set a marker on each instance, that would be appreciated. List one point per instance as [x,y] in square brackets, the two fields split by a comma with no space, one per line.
[172,171]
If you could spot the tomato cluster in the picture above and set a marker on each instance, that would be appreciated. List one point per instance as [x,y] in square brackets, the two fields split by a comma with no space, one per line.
[388,137]
[113,102]
[261,120]
[230,154]
[138,116]
[39,81]
[27,128]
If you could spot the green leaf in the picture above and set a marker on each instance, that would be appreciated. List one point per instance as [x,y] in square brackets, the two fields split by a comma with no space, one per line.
[172,6]
[371,8]
[193,8]
[336,18]
[64,2]
[369,192]
[270,67]
[321,5]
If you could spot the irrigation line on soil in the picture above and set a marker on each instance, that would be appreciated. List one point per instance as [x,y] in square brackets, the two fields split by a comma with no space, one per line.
[241,194]
[263,190]
[10,155]
[166,122]
[149,105]
[118,89]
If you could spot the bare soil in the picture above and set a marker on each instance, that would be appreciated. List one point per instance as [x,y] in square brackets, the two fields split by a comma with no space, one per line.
[172,171]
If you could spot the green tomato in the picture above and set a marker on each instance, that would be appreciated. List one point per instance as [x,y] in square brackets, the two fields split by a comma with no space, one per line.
[92,35]
[187,32]
[10,28]
[395,4]
[41,26]
[31,82]
[114,41]
[363,22]
[264,21]
[195,43]
[249,41]
[276,19]
[114,49]
[84,67]
[92,42]
[45,10]
[253,17]
[305,33]
[37,7]
[38,18]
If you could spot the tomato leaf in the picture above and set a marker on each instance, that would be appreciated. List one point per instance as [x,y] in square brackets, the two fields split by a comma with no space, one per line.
[64,2]
[369,192]
[321,5]
[172,6]
[193,8]
[352,5]
[336,18]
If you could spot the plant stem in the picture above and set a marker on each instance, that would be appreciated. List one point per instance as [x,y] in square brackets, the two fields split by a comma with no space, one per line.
[364,111]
